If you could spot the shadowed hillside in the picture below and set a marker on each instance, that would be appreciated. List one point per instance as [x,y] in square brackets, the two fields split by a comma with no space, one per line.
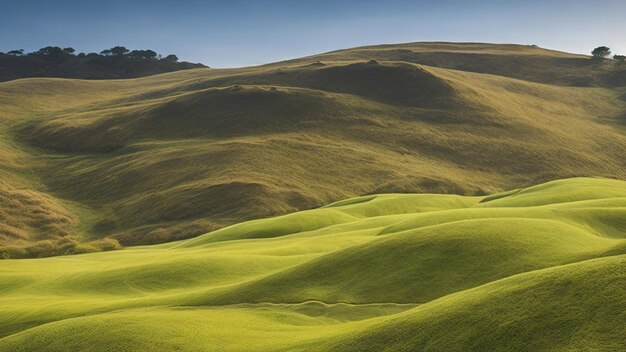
[176,155]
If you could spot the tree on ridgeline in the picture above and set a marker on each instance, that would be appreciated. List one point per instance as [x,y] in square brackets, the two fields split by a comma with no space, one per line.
[66,62]
[619,58]
[601,52]
[171,57]
[17,52]
[143,54]
[51,51]
[119,50]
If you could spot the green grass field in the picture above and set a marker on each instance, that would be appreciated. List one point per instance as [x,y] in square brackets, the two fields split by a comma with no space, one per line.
[535,269]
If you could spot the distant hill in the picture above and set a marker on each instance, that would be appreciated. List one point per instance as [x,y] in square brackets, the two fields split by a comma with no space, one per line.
[526,62]
[62,64]
[176,155]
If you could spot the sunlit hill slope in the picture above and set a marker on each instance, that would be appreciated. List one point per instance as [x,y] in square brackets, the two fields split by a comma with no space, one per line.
[88,164]
[537,269]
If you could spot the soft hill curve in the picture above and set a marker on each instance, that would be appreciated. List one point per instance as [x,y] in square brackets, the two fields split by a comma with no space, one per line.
[175,155]
[536,269]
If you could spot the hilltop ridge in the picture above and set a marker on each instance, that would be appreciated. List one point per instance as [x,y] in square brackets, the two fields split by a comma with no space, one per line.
[176,155]
[527,62]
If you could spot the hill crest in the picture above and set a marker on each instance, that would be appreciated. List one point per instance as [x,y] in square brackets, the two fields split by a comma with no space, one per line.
[176,155]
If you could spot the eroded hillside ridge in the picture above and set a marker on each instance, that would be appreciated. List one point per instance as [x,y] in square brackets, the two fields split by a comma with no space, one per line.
[176,155]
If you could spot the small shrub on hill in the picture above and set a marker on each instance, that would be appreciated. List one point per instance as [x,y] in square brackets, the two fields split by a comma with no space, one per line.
[601,52]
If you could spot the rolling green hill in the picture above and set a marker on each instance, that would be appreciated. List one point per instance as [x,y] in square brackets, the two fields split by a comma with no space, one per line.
[534,269]
[88,164]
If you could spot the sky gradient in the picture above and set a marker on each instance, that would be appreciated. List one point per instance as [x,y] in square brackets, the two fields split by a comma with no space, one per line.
[241,33]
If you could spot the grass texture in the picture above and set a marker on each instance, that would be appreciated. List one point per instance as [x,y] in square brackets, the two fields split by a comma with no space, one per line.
[88,164]
[536,269]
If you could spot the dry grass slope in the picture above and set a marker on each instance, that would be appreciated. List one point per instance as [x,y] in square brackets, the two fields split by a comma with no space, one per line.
[176,155]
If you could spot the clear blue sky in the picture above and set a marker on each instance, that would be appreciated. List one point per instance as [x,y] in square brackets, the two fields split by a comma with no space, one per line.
[239,33]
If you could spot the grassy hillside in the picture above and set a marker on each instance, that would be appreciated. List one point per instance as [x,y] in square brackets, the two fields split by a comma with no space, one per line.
[172,156]
[534,269]
[526,62]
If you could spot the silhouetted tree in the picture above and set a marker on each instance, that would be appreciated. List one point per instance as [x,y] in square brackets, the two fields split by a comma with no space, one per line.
[601,52]
[150,54]
[115,62]
[171,57]
[50,51]
[143,54]
[619,58]
[119,50]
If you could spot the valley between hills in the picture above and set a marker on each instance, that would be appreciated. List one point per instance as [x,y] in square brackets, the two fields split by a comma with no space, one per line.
[409,197]
[90,165]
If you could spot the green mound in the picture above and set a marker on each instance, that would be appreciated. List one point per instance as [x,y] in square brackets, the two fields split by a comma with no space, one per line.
[568,308]
[538,269]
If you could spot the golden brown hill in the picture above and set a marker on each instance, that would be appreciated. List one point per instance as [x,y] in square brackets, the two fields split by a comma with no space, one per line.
[526,62]
[176,155]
